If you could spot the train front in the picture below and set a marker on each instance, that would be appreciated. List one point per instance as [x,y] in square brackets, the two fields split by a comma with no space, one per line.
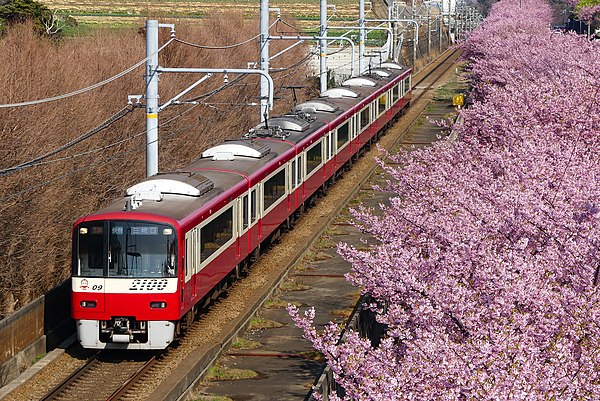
[124,285]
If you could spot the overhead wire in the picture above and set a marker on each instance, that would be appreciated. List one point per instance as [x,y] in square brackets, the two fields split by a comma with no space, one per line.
[87,88]
[84,168]
[111,145]
[117,116]
[223,47]
[111,120]
[122,154]
[36,163]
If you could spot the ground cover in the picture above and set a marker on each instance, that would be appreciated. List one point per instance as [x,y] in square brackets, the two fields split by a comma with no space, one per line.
[107,11]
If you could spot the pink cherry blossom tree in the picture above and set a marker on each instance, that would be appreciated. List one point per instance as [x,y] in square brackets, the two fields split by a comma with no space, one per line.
[486,263]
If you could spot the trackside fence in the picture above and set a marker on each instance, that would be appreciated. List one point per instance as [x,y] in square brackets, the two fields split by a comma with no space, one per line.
[363,321]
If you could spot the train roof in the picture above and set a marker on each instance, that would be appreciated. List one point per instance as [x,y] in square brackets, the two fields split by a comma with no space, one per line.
[226,170]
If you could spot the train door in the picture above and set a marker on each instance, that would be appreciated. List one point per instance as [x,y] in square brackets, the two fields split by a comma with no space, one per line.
[299,179]
[382,106]
[191,264]
[257,196]
[291,184]
[374,126]
[195,261]
[328,154]
[186,289]
[243,205]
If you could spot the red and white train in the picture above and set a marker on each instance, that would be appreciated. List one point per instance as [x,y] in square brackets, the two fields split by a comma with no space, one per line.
[140,272]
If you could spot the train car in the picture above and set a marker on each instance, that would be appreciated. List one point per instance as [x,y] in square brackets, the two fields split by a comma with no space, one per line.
[144,265]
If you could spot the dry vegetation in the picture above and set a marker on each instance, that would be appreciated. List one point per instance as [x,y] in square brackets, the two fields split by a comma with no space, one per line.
[39,205]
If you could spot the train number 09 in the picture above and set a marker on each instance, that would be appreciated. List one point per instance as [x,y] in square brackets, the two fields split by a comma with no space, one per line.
[97,287]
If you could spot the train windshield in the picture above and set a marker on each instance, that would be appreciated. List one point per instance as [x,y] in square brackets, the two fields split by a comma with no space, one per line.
[125,249]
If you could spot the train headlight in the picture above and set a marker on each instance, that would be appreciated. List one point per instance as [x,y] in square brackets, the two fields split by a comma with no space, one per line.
[158,304]
[88,304]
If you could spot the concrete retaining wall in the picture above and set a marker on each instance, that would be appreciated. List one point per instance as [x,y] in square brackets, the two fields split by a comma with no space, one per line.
[34,330]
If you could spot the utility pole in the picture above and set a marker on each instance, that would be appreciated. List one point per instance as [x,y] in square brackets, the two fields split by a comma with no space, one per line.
[416,32]
[428,33]
[361,40]
[152,72]
[323,46]
[151,98]
[440,20]
[264,59]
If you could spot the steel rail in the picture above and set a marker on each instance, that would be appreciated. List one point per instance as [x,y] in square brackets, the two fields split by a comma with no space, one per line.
[56,391]
[121,391]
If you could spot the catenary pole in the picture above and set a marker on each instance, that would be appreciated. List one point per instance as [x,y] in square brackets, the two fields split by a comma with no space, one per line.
[323,46]
[328,38]
[361,40]
[151,98]
[152,94]
[264,59]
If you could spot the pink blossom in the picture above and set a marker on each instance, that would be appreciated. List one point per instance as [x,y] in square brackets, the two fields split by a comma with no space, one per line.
[486,261]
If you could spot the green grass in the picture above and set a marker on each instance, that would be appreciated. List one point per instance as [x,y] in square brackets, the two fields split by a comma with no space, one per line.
[324,242]
[313,355]
[209,397]
[244,343]
[343,313]
[219,372]
[259,323]
[280,304]
[291,285]
[37,358]
[447,91]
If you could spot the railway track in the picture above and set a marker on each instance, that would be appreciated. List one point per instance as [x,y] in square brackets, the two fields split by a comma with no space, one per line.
[423,85]
[106,375]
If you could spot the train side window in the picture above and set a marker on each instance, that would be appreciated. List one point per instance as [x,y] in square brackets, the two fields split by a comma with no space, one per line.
[407,84]
[382,104]
[299,175]
[253,206]
[245,212]
[274,189]
[314,157]
[216,233]
[365,118]
[395,93]
[294,172]
[343,135]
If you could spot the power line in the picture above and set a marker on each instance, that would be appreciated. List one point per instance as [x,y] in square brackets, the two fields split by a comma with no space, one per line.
[100,162]
[223,47]
[111,120]
[217,90]
[88,88]
[39,160]
[117,116]
[105,147]
[122,154]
